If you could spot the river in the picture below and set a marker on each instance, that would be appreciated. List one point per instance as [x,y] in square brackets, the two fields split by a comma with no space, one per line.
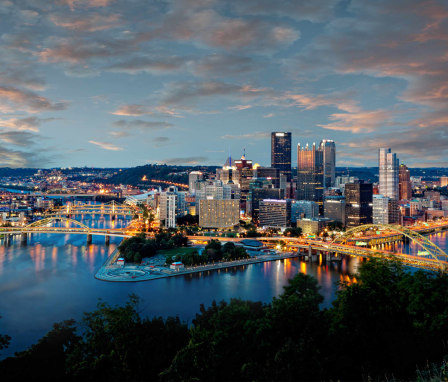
[51,279]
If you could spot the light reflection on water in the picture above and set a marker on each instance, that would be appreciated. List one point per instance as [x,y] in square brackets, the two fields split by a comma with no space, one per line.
[52,279]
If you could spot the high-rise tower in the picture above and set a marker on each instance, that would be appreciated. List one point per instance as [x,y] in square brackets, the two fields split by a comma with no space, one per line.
[310,174]
[405,185]
[328,149]
[389,170]
[281,153]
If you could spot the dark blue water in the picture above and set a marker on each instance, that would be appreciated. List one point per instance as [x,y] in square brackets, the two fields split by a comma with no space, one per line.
[52,279]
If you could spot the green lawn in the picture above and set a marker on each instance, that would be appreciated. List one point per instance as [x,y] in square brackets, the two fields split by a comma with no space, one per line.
[176,251]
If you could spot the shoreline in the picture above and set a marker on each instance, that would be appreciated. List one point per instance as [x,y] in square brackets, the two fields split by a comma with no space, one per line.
[138,273]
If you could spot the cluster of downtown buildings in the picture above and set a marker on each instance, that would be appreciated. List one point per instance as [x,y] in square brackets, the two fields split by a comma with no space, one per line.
[309,197]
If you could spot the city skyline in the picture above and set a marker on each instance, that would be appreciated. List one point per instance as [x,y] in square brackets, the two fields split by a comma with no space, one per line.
[112,83]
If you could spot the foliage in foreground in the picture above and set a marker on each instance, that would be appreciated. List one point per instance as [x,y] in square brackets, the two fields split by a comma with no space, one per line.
[391,325]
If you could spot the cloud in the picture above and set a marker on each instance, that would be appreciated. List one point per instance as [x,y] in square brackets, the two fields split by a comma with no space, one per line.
[412,144]
[240,107]
[119,134]
[13,99]
[157,65]
[314,11]
[224,65]
[134,110]
[255,135]
[106,146]
[18,138]
[270,115]
[160,141]
[188,93]
[86,23]
[24,124]
[73,4]
[139,124]
[185,160]
[19,158]
[363,121]
[404,40]
[203,23]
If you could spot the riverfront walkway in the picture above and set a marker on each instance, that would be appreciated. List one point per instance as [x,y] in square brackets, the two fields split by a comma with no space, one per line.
[112,272]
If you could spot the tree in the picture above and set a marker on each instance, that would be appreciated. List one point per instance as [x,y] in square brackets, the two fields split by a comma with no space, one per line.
[4,340]
[293,232]
[221,343]
[117,344]
[46,359]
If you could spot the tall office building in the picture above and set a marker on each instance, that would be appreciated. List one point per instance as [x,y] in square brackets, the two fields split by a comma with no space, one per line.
[358,204]
[193,177]
[281,153]
[310,174]
[389,170]
[443,181]
[270,173]
[243,176]
[167,209]
[275,213]
[328,149]
[404,183]
[385,210]
[334,208]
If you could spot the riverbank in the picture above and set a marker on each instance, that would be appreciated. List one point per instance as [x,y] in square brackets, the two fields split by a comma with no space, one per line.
[149,271]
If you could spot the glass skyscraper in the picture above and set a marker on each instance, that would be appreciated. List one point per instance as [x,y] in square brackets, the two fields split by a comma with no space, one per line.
[281,153]
[328,149]
[310,174]
[389,167]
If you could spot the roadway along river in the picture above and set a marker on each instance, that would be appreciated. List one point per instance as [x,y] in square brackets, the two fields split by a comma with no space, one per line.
[52,279]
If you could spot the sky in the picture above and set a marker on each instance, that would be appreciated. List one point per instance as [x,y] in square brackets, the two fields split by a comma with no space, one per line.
[121,83]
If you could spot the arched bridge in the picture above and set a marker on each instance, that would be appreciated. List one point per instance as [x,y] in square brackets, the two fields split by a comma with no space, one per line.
[111,208]
[432,249]
[437,260]
[71,227]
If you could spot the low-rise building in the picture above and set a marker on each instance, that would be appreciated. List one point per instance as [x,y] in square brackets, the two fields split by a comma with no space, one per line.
[275,213]
[312,226]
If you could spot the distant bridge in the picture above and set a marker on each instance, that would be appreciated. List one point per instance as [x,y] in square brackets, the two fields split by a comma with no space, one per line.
[71,227]
[437,260]
[111,209]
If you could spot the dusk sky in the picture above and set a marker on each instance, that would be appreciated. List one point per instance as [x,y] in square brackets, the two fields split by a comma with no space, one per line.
[119,83]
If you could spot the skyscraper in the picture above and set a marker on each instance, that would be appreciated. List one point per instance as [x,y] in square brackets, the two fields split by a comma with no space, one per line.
[404,185]
[310,174]
[328,149]
[389,169]
[358,204]
[193,177]
[281,153]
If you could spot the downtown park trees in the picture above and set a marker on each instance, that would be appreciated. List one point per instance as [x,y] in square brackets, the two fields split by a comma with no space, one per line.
[214,251]
[136,248]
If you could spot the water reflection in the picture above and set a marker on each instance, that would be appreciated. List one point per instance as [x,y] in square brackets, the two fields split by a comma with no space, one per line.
[52,279]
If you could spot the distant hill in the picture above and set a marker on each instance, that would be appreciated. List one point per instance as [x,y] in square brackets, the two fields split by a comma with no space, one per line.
[143,175]
[16,172]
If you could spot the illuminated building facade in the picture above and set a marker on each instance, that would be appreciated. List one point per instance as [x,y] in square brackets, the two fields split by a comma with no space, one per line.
[404,183]
[310,174]
[389,173]
[281,153]
[358,204]
[328,149]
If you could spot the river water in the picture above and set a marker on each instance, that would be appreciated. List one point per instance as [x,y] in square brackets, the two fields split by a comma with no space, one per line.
[51,279]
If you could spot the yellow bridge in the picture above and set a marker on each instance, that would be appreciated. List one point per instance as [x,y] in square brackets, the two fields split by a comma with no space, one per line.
[112,209]
[435,258]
